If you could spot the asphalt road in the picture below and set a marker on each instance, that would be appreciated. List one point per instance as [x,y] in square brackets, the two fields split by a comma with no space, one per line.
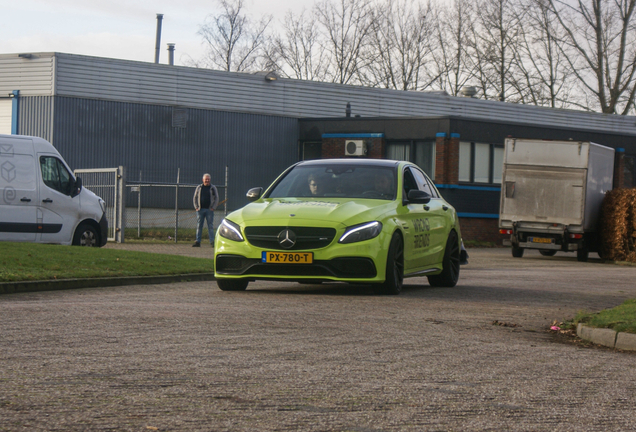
[288,357]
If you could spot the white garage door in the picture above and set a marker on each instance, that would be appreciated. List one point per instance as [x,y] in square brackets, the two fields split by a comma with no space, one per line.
[5,116]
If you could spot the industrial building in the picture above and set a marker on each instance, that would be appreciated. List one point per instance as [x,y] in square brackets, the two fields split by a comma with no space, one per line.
[155,118]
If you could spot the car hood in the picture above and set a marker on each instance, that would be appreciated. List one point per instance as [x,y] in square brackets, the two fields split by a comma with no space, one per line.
[317,212]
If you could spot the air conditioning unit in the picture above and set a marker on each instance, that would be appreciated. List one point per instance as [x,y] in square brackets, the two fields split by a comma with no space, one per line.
[355,148]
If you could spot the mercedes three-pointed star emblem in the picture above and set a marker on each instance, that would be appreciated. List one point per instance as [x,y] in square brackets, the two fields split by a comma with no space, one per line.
[287,239]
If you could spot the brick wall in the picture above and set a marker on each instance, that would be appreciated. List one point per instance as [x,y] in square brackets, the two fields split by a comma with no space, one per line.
[334,148]
[447,159]
[619,169]
[486,230]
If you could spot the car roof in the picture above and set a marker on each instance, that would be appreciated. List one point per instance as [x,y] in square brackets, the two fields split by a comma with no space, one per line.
[350,161]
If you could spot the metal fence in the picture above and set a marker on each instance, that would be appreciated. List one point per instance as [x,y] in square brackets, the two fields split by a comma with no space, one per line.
[164,211]
[107,183]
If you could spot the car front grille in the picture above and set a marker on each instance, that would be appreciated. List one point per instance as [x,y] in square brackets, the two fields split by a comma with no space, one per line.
[345,267]
[306,237]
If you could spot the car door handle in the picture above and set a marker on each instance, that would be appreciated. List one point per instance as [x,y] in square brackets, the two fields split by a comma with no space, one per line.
[445,207]
[48,200]
[26,200]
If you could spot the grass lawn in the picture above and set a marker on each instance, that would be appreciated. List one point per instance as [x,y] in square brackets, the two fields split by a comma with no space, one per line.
[31,262]
[622,318]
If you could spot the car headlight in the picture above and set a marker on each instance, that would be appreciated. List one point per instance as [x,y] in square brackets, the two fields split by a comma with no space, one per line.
[102,204]
[361,232]
[230,231]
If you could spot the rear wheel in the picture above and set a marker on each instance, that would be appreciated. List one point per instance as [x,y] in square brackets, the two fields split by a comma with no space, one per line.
[450,266]
[582,254]
[517,251]
[392,284]
[548,252]
[232,284]
[86,235]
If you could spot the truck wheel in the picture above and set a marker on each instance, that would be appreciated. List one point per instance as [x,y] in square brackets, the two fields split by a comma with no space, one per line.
[517,251]
[86,235]
[450,266]
[548,252]
[582,254]
[232,284]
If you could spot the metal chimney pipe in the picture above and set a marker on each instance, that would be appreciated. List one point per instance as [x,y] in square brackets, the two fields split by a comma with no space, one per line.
[158,42]
[171,54]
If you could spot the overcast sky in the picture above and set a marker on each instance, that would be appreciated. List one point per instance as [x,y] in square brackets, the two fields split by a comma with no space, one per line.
[124,29]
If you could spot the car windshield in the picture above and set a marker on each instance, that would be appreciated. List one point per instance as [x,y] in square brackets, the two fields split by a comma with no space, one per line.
[337,180]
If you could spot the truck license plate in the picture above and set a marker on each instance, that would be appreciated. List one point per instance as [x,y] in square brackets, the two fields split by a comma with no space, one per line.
[540,240]
[288,257]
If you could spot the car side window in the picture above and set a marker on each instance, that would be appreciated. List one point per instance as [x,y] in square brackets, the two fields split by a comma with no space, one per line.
[409,182]
[422,184]
[55,175]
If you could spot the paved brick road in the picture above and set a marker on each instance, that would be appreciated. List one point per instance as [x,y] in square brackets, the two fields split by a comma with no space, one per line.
[286,357]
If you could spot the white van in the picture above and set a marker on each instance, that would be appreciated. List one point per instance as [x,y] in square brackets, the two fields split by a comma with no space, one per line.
[40,199]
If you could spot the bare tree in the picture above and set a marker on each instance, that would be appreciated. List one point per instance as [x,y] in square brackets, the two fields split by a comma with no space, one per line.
[599,42]
[234,40]
[400,45]
[493,45]
[346,25]
[297,52]
[544,73]
[449,63]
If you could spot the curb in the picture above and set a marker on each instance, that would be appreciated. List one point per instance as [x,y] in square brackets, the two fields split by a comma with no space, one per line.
[64,284]
[607,337]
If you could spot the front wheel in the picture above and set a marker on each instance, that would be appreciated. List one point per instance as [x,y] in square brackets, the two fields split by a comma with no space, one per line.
[450,265]
[232,284]
[392,284]
[86,235]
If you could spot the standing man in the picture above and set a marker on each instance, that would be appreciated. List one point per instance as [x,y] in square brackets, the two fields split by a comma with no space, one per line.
[205,200]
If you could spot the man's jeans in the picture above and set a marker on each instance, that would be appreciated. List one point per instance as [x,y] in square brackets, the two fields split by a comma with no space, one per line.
[202,215]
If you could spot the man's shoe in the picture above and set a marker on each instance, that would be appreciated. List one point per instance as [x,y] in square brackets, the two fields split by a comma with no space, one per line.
[196,244]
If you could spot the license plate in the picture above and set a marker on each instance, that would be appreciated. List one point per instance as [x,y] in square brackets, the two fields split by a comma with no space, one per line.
[288,257]
[540,240]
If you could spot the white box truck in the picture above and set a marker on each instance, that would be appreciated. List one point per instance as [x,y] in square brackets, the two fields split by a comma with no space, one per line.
[40,199]
[551,195]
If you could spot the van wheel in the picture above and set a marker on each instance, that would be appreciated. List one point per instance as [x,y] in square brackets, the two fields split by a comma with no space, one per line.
[548,252]
[582,254]
[450,266]
[232,284]
[517,252]
[86,235]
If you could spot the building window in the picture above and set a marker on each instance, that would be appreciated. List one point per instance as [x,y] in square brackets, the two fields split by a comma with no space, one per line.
[421,153]
[480,162]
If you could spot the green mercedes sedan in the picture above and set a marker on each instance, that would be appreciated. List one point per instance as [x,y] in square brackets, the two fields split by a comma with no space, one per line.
[364,221]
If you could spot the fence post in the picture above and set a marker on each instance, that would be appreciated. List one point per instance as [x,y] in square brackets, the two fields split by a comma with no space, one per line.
[120,205]
[139,207]
[176,206]
[225,205]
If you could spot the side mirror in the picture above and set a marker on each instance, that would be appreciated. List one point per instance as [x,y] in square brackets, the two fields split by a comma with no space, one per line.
[254,193]
[416,196]
[77,187]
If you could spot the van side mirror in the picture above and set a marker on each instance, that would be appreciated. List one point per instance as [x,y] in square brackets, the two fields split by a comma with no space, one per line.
[254,193]
[77,187]
[416,196]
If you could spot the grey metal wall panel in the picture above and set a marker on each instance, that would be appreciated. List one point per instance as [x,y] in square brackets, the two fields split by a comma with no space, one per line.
[149,83]
[241,92]
[101,134]
[32,76]
[36,116]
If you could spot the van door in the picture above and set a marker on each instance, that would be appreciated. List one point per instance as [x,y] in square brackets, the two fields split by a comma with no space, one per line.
[19,199]
[58,213]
